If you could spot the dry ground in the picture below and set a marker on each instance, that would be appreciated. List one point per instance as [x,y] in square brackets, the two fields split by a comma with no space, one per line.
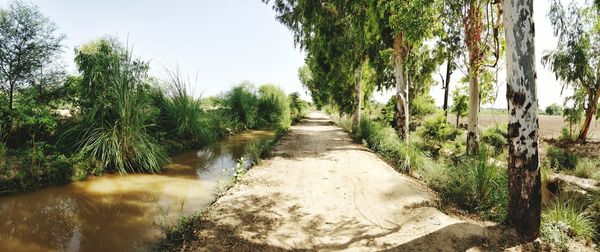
[320,191]
[550,126]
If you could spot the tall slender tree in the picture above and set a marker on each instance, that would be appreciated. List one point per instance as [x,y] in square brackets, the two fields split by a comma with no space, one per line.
[523,164]
[404,25]
[575,60]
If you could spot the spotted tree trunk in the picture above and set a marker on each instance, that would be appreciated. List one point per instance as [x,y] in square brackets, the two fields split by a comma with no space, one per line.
[402,113]
[523,163]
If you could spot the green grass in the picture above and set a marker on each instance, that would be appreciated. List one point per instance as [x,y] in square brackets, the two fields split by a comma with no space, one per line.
[587,168]
[565,220]
[123,143]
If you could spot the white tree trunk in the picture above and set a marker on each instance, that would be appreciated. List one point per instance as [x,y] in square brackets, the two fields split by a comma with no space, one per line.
[523,163]
[402,118]
[472,132]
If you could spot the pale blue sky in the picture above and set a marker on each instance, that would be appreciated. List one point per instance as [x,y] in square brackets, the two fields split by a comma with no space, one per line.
[221,43]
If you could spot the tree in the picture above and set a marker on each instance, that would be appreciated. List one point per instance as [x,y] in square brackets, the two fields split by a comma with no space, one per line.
[29,42]
[460,105]
[450,40]
[404,25]
[553,109]
[524,182]
[575,60]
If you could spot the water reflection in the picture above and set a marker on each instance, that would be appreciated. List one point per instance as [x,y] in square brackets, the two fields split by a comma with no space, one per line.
[114,212]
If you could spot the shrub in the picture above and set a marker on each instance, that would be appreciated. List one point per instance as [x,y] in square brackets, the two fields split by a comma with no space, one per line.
[273,106]
[560,159]
[567,134]
[242,104]
[385,141]
[181,115]
[298,107]
[553,109]
[587,168]
[116,123]
[496,137]
[421,106]
[476,184]
[565,220]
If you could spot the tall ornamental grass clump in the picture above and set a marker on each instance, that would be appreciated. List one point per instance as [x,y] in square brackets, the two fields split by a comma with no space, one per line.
[273,106]
[476,184]
[241,103]
[114,129]
[565,220]
[182,117]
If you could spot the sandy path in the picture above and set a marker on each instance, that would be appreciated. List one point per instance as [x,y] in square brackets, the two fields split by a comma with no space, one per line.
[322,192]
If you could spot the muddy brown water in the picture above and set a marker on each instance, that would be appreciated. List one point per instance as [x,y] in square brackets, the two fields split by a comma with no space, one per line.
[119,213]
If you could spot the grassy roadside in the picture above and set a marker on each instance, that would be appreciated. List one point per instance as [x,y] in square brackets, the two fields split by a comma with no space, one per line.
[478,186]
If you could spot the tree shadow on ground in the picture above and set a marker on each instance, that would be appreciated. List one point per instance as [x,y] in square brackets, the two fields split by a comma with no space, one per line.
[270,223]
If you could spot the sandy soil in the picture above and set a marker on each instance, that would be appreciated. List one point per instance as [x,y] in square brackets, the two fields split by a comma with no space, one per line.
[322,192]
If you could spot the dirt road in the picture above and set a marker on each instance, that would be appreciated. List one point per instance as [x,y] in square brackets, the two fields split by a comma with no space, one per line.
[320,191]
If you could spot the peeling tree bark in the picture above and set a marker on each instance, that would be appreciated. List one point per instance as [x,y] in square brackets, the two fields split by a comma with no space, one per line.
[524,181]
[473,28]
[400,51]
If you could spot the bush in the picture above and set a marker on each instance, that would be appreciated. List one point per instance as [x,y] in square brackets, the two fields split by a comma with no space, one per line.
[560,159]
[421,106]
[181,116]
[476,184]
[117,110]
[298,107]
[242,104]
[553,109]
[587,168]
[385,141]
[273,106]
[563,221]
[496,137]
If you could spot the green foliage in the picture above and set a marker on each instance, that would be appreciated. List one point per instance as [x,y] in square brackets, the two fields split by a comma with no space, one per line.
[565,220]
[114,130]
[587,168]
[476,184]
[182,116]
[560,159]
[298,107]
[30,43]
[273,106]
[422,106]
[438,131]
[242,104]
[384,141]
[461,104]
[496,137]
[553,109]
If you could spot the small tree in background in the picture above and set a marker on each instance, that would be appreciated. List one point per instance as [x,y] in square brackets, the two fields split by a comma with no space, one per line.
[553,109]
[461,104]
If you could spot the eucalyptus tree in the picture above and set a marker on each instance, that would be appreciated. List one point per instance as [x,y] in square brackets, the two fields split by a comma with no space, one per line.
[334,35]
[524,210]
[450,41]
[404,25]
[28,42]
[481,36]
[576,60]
